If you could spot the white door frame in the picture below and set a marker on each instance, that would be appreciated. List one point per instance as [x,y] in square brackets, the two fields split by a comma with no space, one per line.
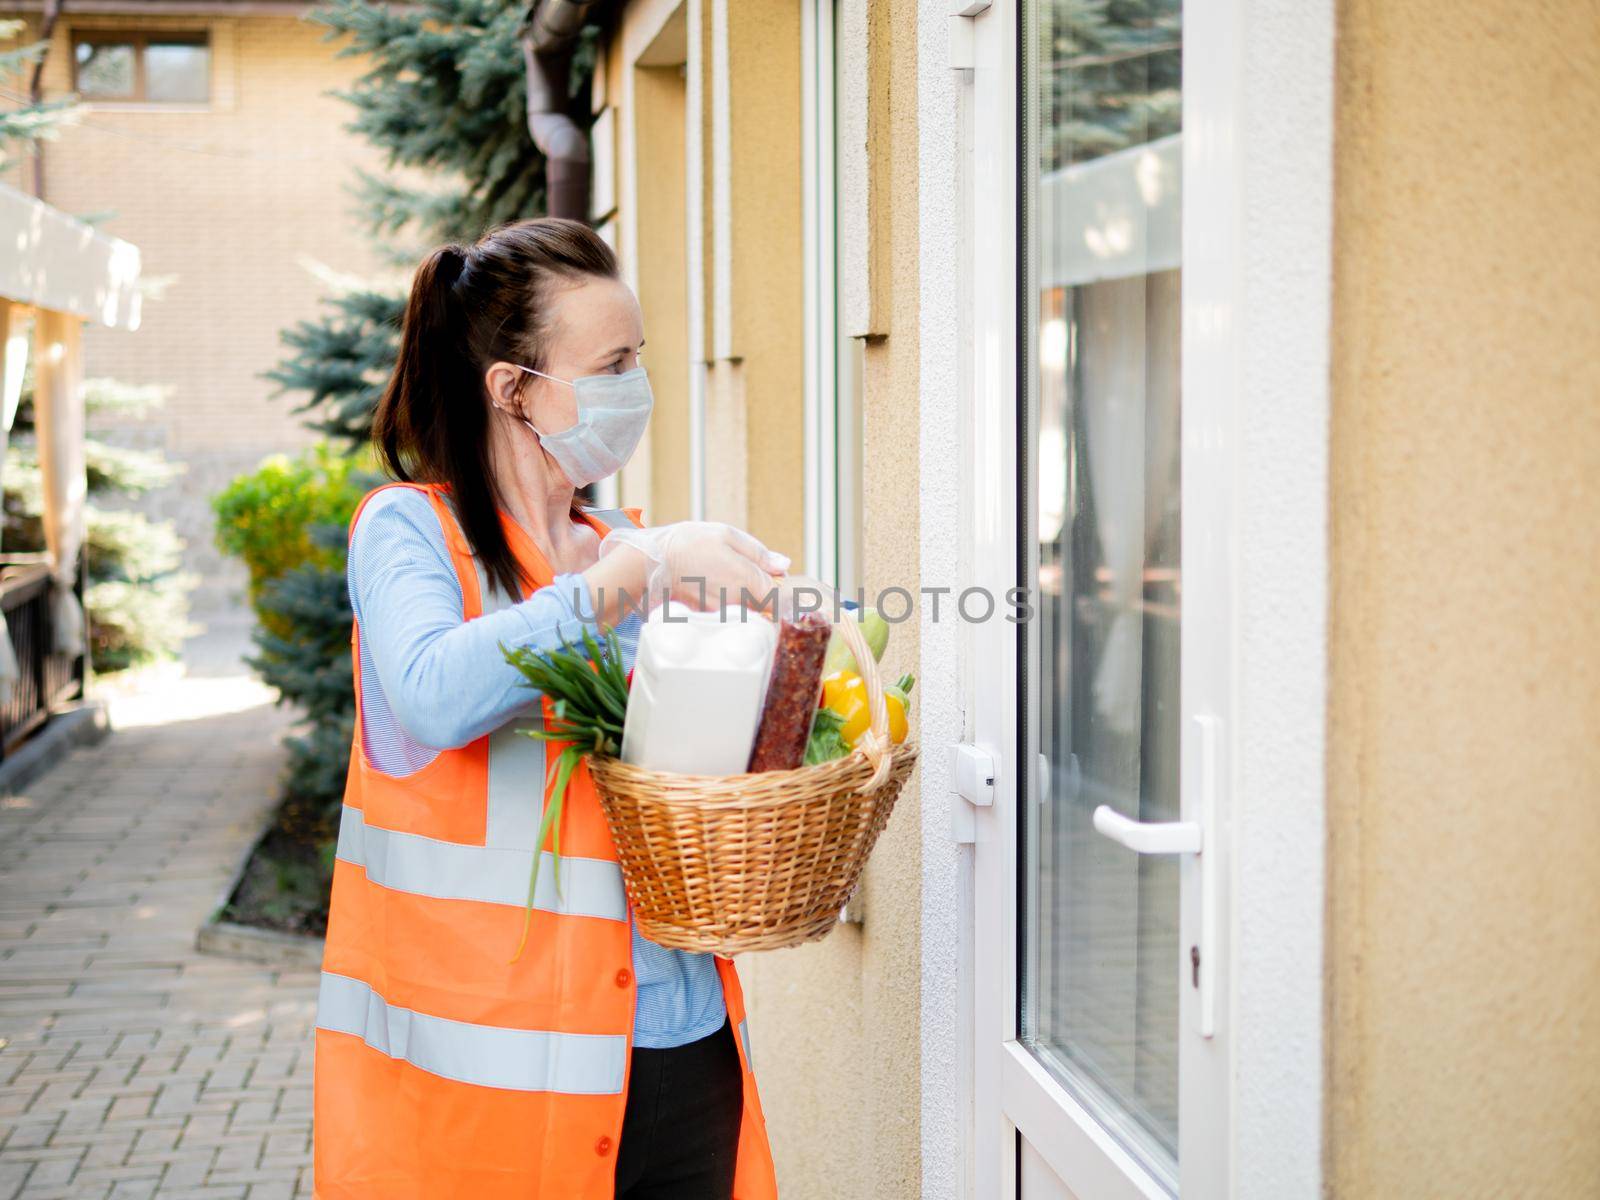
[1257,231]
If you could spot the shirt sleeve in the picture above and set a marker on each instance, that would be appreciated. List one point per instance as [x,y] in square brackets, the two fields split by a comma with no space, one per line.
[446,680]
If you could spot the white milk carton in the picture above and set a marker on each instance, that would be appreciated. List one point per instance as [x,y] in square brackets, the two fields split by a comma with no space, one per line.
[699,681]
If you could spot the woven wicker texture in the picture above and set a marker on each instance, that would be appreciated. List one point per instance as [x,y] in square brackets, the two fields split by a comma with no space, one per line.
[753,862]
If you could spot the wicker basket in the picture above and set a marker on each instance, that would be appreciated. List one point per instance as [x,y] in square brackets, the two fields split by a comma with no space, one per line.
[753,862]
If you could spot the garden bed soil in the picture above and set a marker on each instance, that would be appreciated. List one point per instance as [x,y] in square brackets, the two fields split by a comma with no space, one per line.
[284,884]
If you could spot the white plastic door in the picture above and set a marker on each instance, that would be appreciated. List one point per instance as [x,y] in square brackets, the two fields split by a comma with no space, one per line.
[1100,237]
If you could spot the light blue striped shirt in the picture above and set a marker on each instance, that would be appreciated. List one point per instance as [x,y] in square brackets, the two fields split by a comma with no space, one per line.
[431,681]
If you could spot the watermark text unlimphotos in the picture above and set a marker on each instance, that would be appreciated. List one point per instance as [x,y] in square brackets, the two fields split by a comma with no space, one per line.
[894,604]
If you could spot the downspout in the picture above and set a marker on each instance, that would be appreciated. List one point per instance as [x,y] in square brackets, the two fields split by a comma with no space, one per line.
[47,29]
[547,43]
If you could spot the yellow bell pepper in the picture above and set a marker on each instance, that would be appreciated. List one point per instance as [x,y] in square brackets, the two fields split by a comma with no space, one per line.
[845,693]
[898,726]
[897,699]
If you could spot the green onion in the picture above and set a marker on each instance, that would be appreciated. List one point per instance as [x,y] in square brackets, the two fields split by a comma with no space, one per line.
[588,690]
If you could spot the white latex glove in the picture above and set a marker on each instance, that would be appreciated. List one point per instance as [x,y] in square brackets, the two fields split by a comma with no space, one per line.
[704,564]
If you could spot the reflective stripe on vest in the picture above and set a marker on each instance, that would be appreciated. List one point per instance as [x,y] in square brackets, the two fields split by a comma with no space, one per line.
[516,761]
[526,1060]
[424,866]
[744,1040]
[514,757]
[611,518]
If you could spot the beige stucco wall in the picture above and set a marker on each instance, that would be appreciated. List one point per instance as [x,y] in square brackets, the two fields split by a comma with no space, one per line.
[663,287]
[234,209]
[839,1021]
[756,305]
[1464,1023]
[834,1025]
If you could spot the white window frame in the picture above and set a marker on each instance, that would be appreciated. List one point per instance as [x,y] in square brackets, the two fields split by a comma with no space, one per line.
[1258,102]
[697,153]
[817,160]
[832,393]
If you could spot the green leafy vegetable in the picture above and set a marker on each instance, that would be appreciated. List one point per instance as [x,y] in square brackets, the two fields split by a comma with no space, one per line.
[588,690]
[826,742]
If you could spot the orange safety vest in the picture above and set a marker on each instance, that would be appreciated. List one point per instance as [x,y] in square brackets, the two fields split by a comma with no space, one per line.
[442,1071]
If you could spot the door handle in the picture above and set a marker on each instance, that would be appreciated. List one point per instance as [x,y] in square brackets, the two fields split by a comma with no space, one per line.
[1149,837]
[1189,837]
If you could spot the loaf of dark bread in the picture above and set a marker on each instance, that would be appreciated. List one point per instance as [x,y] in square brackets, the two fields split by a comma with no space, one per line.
[792,694]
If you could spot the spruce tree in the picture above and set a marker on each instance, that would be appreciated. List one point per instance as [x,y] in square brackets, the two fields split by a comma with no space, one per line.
[1115,69]
[32,119]
[341,361]
[443,95]
[136,598]
[309,662]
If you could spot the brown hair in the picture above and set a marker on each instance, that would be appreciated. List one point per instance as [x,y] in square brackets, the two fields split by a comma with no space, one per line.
[471,306]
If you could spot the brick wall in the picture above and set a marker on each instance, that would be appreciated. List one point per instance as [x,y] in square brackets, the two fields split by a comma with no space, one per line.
[242,209]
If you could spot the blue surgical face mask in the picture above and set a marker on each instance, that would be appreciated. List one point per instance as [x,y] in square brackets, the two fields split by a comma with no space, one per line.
[612,413]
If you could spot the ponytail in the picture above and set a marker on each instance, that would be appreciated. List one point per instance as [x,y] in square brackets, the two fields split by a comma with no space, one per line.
[431,365]
[471,306]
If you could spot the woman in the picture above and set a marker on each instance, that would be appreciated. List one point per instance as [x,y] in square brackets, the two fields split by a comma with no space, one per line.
[597,1063]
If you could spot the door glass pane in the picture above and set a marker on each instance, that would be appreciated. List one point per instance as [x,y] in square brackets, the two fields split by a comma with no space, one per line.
[1100,185]
[177,72]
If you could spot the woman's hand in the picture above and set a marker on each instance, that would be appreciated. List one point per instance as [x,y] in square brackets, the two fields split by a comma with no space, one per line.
[703,564]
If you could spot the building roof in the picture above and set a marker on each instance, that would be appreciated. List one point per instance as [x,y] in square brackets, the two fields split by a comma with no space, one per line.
[56,262]
[168,8]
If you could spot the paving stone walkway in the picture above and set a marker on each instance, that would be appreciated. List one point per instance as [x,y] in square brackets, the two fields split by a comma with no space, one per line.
[130,1064]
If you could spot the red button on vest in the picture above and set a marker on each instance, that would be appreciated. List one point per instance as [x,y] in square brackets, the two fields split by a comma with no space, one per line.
[623,976]
[603,1146]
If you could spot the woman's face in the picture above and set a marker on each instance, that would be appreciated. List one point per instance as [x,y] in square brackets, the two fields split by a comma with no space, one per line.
[595,328]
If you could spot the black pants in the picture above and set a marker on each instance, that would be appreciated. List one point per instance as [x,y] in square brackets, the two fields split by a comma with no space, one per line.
[680,1130]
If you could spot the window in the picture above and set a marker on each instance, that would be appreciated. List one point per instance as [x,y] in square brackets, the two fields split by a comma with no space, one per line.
[142,67]
[1101,178]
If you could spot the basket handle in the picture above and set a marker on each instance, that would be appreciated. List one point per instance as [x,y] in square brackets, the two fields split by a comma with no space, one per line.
[874,741]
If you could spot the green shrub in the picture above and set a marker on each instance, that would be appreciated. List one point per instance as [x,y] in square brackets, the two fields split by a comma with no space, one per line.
[266,518]
[287,520]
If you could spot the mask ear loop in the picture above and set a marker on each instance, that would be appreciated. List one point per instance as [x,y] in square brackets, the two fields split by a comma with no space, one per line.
[525,420]
[541,374]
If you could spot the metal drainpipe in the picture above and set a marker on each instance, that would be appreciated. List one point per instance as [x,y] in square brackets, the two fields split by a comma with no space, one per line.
[547,40]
